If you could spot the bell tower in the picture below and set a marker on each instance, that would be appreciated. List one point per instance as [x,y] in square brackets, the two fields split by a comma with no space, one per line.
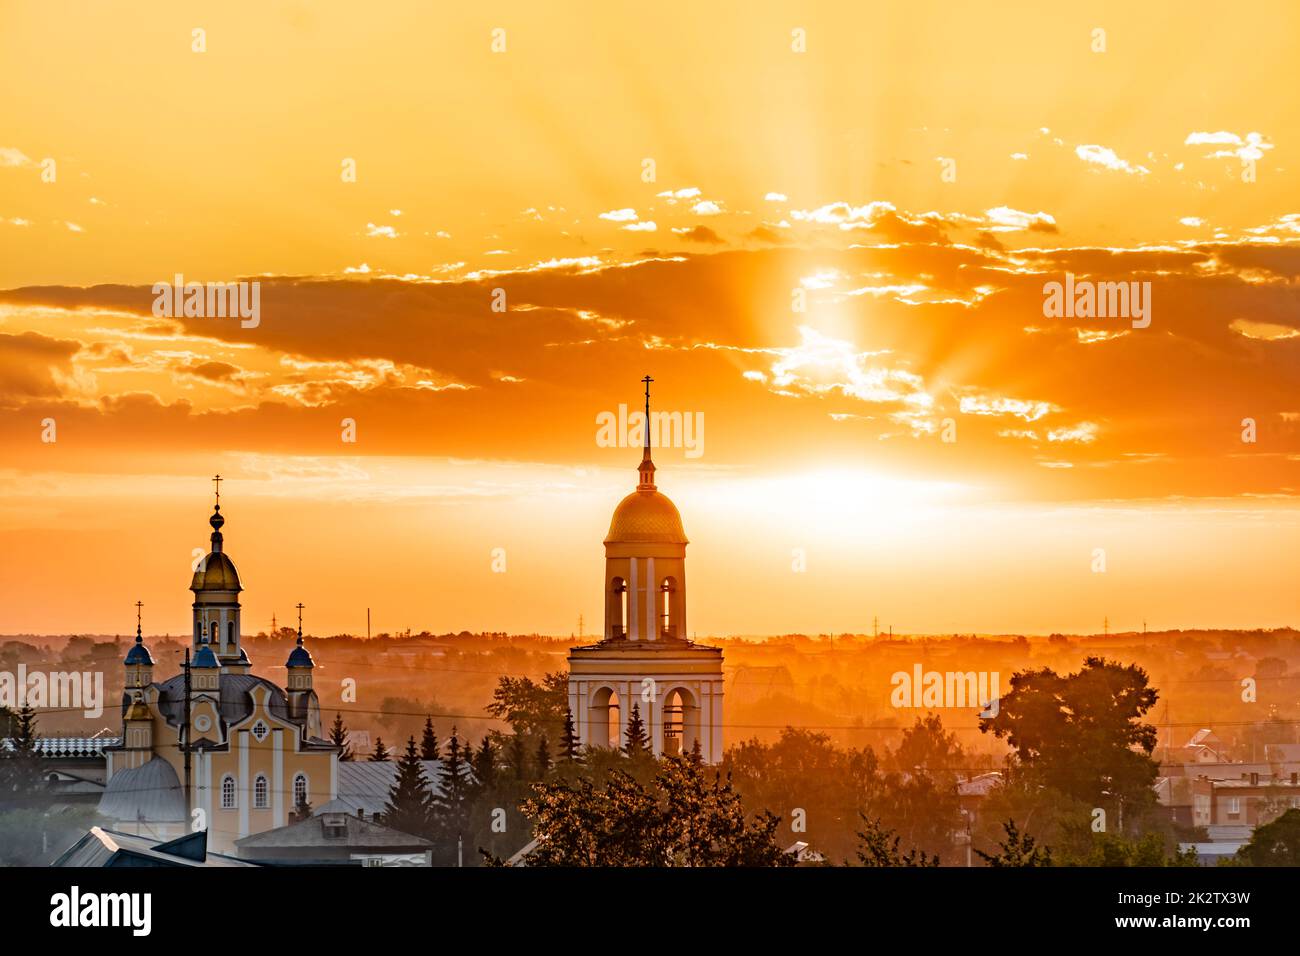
[216,588]
[645,657]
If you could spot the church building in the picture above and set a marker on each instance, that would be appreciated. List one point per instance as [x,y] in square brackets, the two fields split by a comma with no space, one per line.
[645,658]
[233,753]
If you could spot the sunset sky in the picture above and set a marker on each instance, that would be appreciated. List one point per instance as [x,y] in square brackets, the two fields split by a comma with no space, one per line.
[840,242]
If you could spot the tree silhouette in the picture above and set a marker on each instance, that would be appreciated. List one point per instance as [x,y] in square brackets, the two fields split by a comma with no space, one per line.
[339,738]
[1017,850]
[429,742]
[410,801]
[638,741]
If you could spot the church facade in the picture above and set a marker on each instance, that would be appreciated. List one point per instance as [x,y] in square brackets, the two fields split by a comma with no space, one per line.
[256,750]
[644,658]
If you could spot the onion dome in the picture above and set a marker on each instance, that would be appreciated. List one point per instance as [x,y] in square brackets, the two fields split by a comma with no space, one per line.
[204,659]
[138,654]
[646,516]
[216,572]
[138,710]
[300,656]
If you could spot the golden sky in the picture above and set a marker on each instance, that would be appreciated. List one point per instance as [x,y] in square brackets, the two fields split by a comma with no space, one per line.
[824,228]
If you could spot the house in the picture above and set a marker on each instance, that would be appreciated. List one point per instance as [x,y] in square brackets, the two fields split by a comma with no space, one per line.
[102,848]
[335,837]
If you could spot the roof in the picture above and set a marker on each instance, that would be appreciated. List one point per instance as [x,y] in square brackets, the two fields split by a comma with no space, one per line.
[235,701]
[138,654]
[54,748]
[365,784]
[646,516]
[150,793]
[313,832]
[216,573]
[300,657]
[103,847]
[205,659]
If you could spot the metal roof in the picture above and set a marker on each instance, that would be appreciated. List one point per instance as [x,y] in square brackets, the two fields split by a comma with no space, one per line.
[358,834]
[103,847]
[147,794]
[52,748]
[365,784]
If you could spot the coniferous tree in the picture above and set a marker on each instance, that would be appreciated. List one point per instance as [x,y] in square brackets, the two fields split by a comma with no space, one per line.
[339,738]
[410,802]
[697,753]
[485,764]
[569,739]
[518,757]
[20,766]
[380,752]
[453,776]
[429,742]
[638,741]
[543,757]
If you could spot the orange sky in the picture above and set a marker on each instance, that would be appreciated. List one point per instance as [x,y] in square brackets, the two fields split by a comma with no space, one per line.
[834,257]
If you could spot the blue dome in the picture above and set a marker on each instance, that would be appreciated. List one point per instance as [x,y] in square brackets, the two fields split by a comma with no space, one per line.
[205,658]
[300,657]
[139,654]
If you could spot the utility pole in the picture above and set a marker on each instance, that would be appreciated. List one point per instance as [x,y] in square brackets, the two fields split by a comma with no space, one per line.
[367,623]
[185,731]
[875,627]
[579,626]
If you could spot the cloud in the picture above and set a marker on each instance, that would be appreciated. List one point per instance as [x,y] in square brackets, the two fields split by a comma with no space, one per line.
[1106,157]
[699,234]
[1248,148]
[647,226]
[776,197]
[706,207]
[1006,219]
[619,215]
[12,158]
[380,232]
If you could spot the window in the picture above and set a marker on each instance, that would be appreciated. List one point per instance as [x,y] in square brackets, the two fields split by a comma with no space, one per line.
[1234,806]
[214,632]
[260,730]
[260,790]
[227,792]
[618,597]
[299,790]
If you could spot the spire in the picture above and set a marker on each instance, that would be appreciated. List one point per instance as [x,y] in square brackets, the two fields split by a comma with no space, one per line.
[300,607]
[299,656]
[647,467]
[216,520]
[138,653]
[139,607]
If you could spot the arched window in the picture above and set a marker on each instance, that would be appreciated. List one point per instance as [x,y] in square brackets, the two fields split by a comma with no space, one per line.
[618,614]
[260,791]
[230,634]
[667,598]
[214,632]
[228,792]
[299,790]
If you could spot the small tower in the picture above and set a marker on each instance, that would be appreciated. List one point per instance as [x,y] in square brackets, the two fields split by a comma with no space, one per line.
[216,588]
[139,662]
[137,740]
[299,667]
[205,674]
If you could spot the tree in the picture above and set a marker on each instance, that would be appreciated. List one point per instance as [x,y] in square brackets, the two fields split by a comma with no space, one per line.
[380,752]
[1017,850]
[1274,844]
[339,738]
[569,740]
[20,762]
[518,758]
[878,846]
[1082,734]
[682,818]
[454,776]
[531,709]
[410,801]
[638,741]
[429,742]
[543,757]
[485,764]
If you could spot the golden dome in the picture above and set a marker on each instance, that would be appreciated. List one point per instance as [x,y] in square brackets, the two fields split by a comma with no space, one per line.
[138,710]
[646,516]
[217,573]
